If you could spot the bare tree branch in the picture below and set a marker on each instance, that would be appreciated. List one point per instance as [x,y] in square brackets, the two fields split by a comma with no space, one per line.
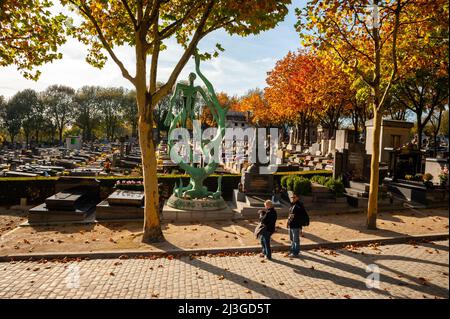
[130,14]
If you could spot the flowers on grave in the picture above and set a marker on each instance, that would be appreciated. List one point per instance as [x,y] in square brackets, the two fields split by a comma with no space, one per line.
[129,184]
[443,176]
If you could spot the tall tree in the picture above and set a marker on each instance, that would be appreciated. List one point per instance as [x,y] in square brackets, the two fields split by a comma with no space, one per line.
[12,113]
[422,93]
[87,110]
[365,41]
[255,106]
[444,123]
[435,125]
[59,102]
[29,34]
[145,25]
[28,104]
[130,111]
[288,92]
[110,102]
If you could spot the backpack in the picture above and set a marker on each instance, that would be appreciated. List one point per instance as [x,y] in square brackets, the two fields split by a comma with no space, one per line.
[304,217]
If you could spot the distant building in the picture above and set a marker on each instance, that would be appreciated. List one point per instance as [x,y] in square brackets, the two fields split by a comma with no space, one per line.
[236,119]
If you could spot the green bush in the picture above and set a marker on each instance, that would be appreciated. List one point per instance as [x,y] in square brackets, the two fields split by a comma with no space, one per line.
[284,181]
[335,185]
[302,186]
[323,180]
[298,184]
[290,183]
[316,179]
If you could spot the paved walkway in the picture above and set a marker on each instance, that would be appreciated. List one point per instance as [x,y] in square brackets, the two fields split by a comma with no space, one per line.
[127,236]
[406,271]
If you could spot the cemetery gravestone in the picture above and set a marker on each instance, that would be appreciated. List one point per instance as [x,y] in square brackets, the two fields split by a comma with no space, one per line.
[71,205]
[122,204]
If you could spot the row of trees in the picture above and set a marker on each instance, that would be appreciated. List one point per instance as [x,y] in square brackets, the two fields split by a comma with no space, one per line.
[305,89]
[92,111]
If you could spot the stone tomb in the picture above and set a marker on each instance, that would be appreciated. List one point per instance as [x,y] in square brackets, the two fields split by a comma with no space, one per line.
[71,205]
[255,189]
[434,167]
[393,134]
[121,204]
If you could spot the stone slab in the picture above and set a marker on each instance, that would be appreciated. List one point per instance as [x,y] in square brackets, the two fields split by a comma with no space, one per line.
[173,214]
[66,200]
[126,198]
[41,214]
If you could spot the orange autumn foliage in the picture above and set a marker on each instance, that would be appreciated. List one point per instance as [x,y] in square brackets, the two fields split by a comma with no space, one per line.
[305,87]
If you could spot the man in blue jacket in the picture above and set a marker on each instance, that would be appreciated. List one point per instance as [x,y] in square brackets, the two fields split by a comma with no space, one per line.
[298,218]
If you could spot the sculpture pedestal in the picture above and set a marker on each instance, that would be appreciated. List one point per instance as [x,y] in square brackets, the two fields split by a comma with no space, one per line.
[197,210]
[196,204]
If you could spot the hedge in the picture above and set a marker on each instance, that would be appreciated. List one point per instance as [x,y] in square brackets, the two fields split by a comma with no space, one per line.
[37,189]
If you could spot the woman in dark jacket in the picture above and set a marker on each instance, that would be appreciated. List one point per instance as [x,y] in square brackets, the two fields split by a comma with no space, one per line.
[266,228]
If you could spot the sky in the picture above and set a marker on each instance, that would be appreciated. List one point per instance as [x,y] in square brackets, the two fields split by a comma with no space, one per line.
[242,66]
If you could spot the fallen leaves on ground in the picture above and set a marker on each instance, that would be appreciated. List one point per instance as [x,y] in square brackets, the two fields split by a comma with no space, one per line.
[423,281]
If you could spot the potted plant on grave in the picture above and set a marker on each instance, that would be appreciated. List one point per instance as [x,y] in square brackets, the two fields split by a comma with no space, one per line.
[427,180]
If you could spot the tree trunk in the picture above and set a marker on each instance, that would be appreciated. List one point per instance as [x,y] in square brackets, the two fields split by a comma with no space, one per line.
[133,130]
[374,172]
[27,139]
[60,132]
[419,134]
[152,229]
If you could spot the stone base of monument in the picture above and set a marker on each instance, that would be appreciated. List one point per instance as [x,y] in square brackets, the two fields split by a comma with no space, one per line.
[172,214]
[208,204]
[179,209]
[121,204]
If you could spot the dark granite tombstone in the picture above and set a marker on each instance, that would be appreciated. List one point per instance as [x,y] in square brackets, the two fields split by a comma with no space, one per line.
[126,198]
[71,205]
[255,183]
[66,200]
[121,204]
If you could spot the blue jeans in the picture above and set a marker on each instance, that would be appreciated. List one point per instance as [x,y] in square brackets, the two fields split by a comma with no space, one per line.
[265,243]
[294,236]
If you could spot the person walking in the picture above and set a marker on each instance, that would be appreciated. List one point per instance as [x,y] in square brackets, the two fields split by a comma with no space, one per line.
[298,217]
[266,227]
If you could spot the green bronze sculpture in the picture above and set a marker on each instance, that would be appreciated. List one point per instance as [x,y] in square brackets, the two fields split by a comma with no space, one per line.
[197,173]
